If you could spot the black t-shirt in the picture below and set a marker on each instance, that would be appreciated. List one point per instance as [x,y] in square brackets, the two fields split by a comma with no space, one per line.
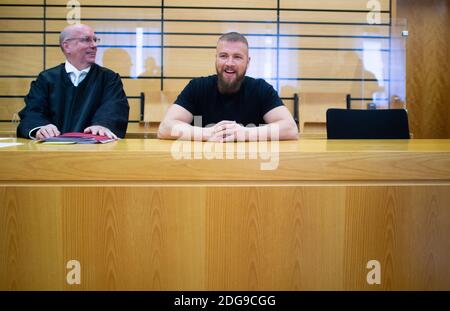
[255,98]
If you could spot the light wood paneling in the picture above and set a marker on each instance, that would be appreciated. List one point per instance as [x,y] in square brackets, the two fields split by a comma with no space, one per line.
[316,64]
[331,43]
[53,57]
[134,86]
[416,230]
[153,160]
[427,66]
[117,39]
[331,4]
[14,38]
[116,13]
[194,62]
[122,26]
[135,108]
[157,103]
[334,30]
[9,107]
[30,238]
[355,88]
[106,2]
[15,86]
[23,61]
[21,12]
[198,27]
[218,3]
[328,235]
[218,14]
[22,25]
[211,41]
[329,17]
[21,1]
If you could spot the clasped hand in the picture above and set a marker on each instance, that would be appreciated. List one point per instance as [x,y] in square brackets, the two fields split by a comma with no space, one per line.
[226,131]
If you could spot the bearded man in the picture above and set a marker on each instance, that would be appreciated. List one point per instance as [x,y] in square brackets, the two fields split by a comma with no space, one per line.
[228,106]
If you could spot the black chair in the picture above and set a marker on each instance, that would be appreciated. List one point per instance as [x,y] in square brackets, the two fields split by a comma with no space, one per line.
[367,124]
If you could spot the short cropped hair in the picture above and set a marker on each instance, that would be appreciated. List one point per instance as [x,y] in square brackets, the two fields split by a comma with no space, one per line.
[233,37]
[62,37]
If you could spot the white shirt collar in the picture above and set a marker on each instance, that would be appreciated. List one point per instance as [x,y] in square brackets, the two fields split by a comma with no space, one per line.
[76,76]
[71,68]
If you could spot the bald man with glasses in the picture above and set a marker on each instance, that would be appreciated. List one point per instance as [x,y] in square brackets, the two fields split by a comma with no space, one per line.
[76,96]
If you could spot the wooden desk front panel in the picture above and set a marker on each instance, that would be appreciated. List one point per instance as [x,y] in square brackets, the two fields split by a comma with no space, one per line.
[225,237]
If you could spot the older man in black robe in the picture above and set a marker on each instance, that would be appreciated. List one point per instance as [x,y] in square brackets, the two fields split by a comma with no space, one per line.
[76,96]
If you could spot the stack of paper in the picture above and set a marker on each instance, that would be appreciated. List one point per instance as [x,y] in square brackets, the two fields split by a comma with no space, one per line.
[77,138]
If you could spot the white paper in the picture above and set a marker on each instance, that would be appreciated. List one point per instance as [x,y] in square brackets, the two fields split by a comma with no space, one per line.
[6,138]
[4,145]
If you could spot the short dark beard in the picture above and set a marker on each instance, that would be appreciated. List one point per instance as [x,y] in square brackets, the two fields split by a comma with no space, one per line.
[228,88]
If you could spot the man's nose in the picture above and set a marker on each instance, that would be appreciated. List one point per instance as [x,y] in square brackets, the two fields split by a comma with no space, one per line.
[229,61]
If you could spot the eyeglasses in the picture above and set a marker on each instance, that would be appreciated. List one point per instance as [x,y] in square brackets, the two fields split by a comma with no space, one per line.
[86,39]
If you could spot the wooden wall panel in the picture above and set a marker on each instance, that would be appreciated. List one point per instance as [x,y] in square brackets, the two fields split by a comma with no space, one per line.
[211,41]
[331,43]
[23,61]
[105,25]
[22,2]
[115,13]
[107,2]
[328,17]
[219,3]
[195,62]
[334,30]
[313,237]
[9,107]
[428,66]
[331,4]
[53,57]
[21,25]
[21,12]
[22,39]
[218,14]
[15,86]
[218,28]
[316,64]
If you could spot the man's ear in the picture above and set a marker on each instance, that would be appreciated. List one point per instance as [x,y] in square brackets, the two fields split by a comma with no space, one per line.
[65,47]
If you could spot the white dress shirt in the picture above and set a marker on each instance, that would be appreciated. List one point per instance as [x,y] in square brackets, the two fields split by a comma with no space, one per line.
[76,76]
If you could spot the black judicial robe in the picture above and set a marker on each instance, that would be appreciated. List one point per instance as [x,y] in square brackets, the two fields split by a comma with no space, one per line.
[98,100]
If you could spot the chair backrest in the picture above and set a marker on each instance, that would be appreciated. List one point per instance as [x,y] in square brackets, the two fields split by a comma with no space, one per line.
[367,124]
